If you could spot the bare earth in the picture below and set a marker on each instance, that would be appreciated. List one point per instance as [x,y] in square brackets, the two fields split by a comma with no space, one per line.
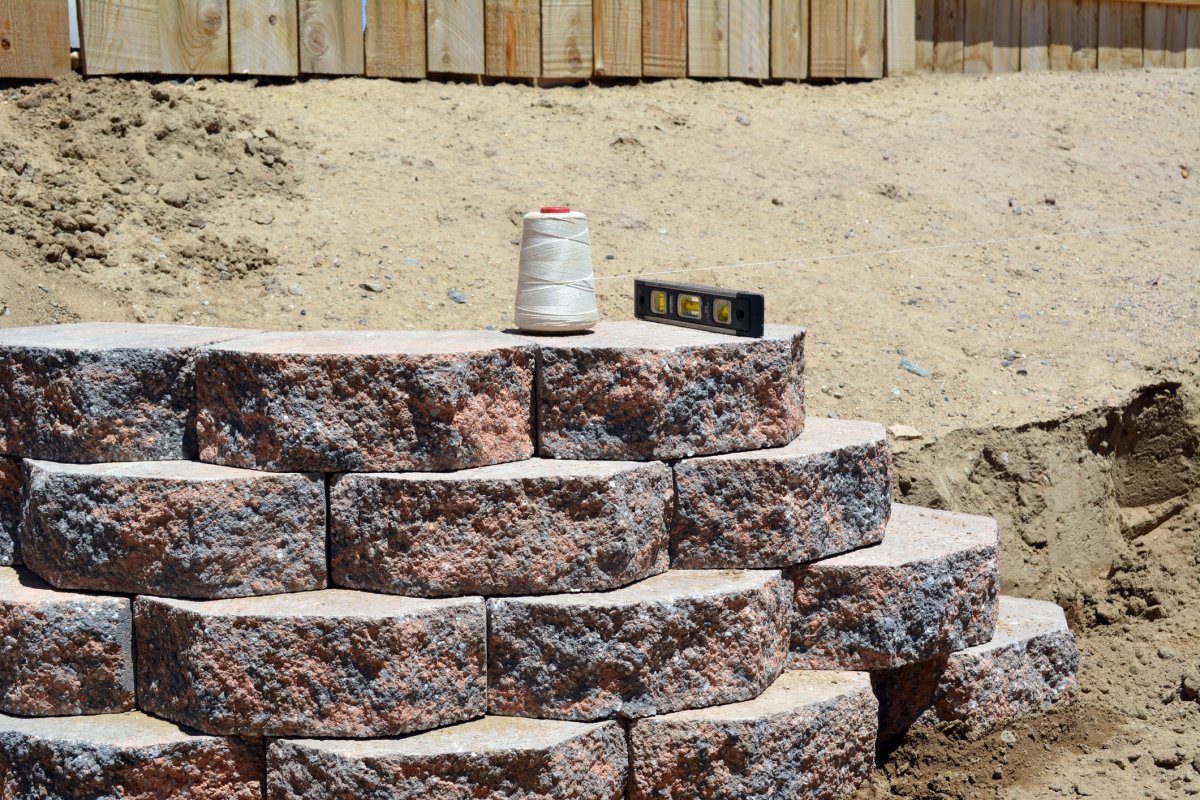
[1033,240]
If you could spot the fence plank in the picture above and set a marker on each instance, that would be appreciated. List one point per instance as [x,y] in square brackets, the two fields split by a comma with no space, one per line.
[1062,33]
[194,37]
[708,38]
[513,38]
[566,39]
[617,38]
[979,33]
[827,47]
[864,38]
[750,39]
[455,41]
[1006,46]
[1176,40]
[901,37]
[263,37]
[331,37]
[948,35]
[789,39]
[119,36]
[1084,35]
[1132,15]
[395,39]
[1154,35]
[664,38]
[925,34]
[35,39]
[1191,58]
[1108,36]
[1035,35]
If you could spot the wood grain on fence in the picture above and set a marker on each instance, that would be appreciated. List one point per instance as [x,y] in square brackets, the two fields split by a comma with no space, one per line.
[35,39]
[617,38]
[750,39]
[513,31]
[264,37]
[708,38]
[664,38]
[827,45]
[567,39]
[900,52]
[789,39]
[118,36]
[864,38]
[455,30]
[394,46]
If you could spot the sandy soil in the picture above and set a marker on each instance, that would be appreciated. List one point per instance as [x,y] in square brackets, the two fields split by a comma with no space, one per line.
[1033,240]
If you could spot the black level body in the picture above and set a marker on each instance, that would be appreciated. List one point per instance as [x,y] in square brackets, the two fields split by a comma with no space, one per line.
[704,307]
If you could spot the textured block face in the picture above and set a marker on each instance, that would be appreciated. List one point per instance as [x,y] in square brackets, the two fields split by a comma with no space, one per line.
[100,391]
[62,653]
[638,390]
[177,528]
[529,527]
[678,640]
[502,758]
[330,663]
[930,588]
[1030,664]
[366,401]
[10,510]
[811,735]
[131,756]
[827,492]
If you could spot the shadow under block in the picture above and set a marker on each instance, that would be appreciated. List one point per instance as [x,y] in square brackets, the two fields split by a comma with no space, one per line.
[527,527]
[640,390]
[828,491]
[928,589]
[174,528]
[333,663]
[683,639]
[366,401]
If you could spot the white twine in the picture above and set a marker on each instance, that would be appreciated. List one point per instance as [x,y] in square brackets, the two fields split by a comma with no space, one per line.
[556,289]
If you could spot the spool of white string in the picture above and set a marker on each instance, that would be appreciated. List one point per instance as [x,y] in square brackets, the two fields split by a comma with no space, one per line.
[556,289]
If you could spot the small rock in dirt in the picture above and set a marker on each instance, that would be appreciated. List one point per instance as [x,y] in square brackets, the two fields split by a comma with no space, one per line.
[159,95]
[775,201]
[296,289]
[389,277]
[262,216]
[904,432]
[372,287]
[610,257]
[412,262]
[914,368]
[1169,759]
[742,119]
[175,195]
[1190,685]
[457,296]
[1008,737]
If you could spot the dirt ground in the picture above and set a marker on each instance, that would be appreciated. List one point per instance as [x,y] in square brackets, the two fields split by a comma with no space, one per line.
[1031,240]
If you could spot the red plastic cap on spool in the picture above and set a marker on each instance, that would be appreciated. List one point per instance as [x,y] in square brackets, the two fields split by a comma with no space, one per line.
[555,210]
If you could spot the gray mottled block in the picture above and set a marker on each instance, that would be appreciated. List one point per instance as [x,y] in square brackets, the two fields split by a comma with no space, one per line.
[528,527]
[10,510]
[330,663]
[683,639]
[366,401]
[500,758]
[176,528]
[640,391]
[1030,663]
[100,391]
[811,734]
[828,491]
[129,756]
[62,653]
[930,588]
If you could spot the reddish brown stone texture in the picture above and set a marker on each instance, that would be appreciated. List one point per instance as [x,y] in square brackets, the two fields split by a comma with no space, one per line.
[330,663]
[62,653]
[10,510]
[528,527]
[383,401]
[131,756]
[827,492]
[641,391]
[810,735]
[930,588]
[1030,664]
[176,528]
[683,639]
[500,758]
[100,391]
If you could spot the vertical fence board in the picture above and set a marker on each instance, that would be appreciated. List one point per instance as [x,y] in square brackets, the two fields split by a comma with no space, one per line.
[513,38]
[901,37]
[1108,36]
[1062,33]
[979,32]
[119,36]
[827,47]
[567,39]
[664,38]
[1154,35]
[789,39]
[455,30]
[331,37]
[1006,46]
[194,37]
[1191,57]
[948,35]
[750,39]
[395,39]
[617,38]
[1035,35]
[708,38]
[35,39]
[1084,35]
[263,37]
[1176,40]
[864,38]
[1131,34]
[924,32]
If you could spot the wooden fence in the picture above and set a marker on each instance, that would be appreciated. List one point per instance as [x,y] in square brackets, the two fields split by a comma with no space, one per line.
[585,39]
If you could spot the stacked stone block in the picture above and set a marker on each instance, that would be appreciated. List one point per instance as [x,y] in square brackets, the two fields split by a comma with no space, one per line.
[464,564]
